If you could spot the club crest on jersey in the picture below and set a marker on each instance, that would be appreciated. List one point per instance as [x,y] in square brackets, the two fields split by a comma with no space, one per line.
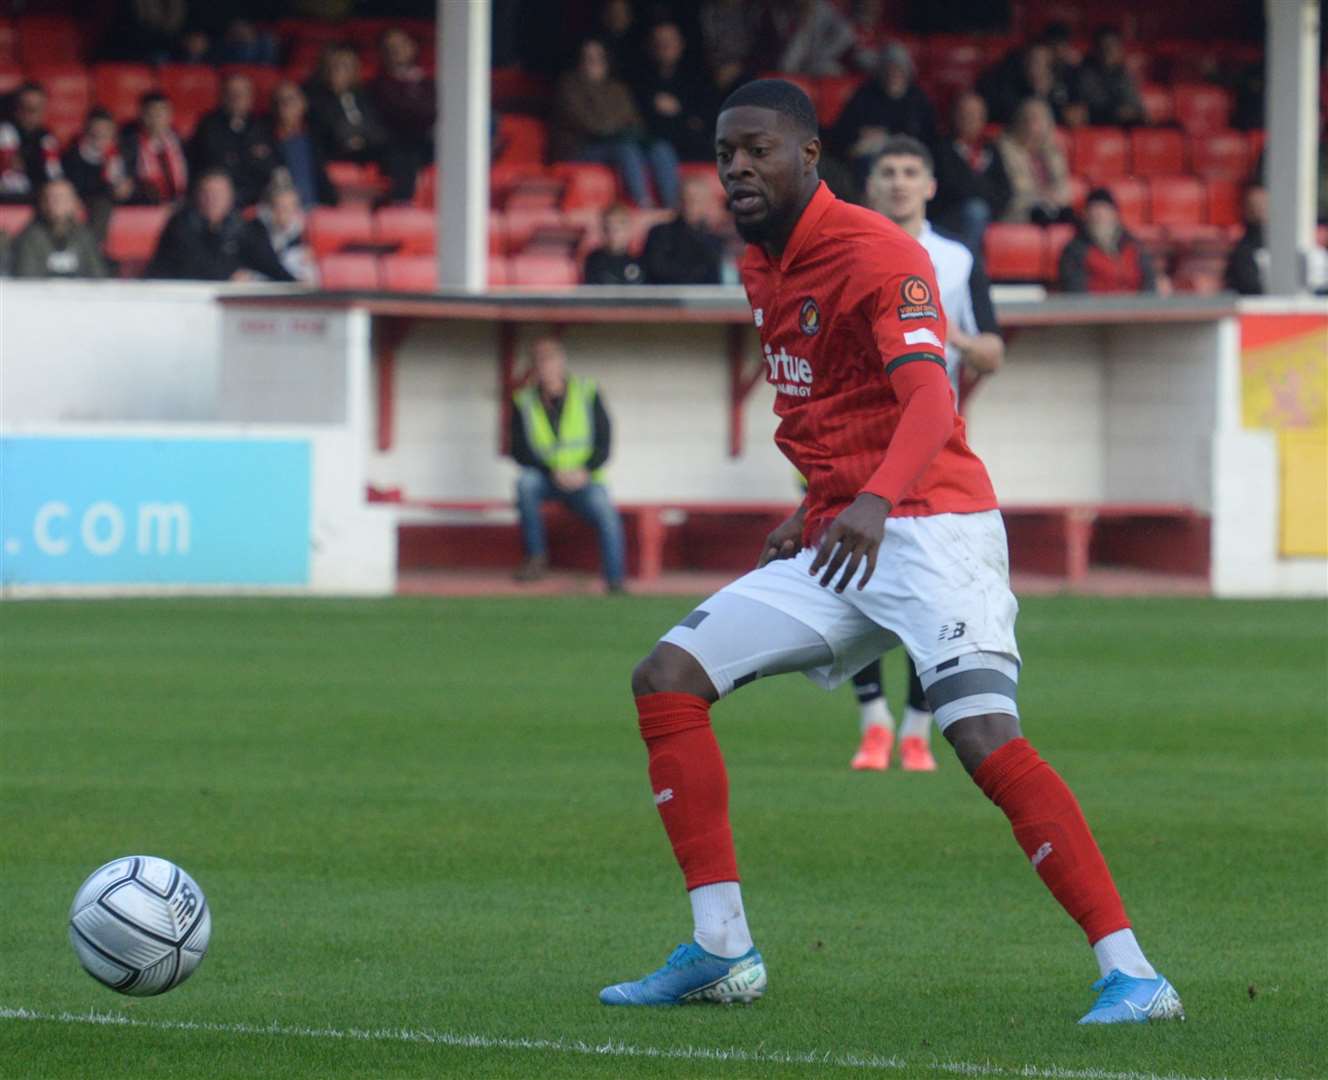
[809,317]
[916,302]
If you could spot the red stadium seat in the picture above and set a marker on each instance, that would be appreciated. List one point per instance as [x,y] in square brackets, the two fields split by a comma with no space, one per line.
[356,182]
[832,94]
[354,271]
[194,91]
[48,39]
[68,97]
[118,87]
[131,235]
[1177,200]
[411,228]
[497,233]
[409,273]
[1224,202]
[1014,252]
[1159,104]
[1201,108]
[1131,200]
[332,228]
[1157,152]
[1223,155]
[514,90]
[544,269]
[426,186]
[586,184]
[1057,236]
[14,219]
[1099,153]
[1257,138]
[523,223]
[499,275]
[521,139]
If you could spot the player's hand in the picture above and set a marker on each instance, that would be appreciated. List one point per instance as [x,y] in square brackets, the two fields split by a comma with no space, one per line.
[852,540]
[783,542]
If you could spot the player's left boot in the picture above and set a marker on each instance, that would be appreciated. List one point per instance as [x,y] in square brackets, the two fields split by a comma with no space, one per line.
[1125,999]
[692,975]
[915,755]
[874,750]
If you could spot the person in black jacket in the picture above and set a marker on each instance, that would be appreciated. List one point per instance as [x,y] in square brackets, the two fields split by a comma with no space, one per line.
[684,251]
[94,165]
[972,187]
[892,103]
[206,240]
[614,263]
[671,97]
[233,138]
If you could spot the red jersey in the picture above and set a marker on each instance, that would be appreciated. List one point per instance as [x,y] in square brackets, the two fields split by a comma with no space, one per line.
[852,299]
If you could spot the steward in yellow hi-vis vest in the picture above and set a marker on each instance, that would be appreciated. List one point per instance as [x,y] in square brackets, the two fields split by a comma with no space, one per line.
[561,437]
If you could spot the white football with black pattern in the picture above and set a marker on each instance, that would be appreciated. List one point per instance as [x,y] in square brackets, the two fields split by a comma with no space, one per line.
[140,925]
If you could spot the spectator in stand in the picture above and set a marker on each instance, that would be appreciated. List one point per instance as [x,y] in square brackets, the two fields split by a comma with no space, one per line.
[595,119]
[1035,166]
[232,137]
[194,47]
[146,32]
[728,39]
[889,104]
[346,122]
[866,17]
[686,251]
[408,103]
[280,224]
[298,151]
[814,34]
[671,99]
[973,189]
[153,153]
[1103,257]
[614,263]
[1026,73]
[1065,58]
[245,43]
[29,153]
[56,243]
[1104,84]
[96,168]
[207,240]
[620,32]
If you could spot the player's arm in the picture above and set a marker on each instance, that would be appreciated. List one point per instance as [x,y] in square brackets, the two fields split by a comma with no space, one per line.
[984,351]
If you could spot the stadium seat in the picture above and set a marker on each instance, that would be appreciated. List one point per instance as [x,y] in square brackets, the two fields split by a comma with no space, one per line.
[1201,108]
[1177,200]
[1157,152]
[1224,202]
[14,219]
[354,271]
[497,233]
[1222,155]
[357,182]
[513,90]
[1159,104]
[194,91]
[409,273]
[1056,237]
[131,235]
[1257,137]
[832,94]
[1099,153]
[524,222]
[1131,199]
[586,184]
[521,139]
[48,39]
[68,97]
[1014,252]
[544,269]
[410,228]
[118,87]
[499,275]
[332,228]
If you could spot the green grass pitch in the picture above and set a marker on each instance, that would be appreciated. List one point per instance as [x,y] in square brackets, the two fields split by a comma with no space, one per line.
[427,837]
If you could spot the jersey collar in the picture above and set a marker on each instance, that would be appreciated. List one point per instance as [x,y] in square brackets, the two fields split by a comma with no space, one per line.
[812,213]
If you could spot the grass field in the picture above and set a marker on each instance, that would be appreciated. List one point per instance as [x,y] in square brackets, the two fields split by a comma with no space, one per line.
[426,834]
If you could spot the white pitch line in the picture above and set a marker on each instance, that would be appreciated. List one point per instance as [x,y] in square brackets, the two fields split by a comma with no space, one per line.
[578,1046]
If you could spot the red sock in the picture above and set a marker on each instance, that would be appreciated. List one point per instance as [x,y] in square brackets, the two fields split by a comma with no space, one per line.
[1051,829]
[690,785]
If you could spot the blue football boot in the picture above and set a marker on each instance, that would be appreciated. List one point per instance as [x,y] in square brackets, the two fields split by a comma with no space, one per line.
[1127,1000]
[693,975]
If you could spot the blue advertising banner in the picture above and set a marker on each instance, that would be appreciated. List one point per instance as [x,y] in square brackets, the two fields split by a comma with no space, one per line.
[160,511]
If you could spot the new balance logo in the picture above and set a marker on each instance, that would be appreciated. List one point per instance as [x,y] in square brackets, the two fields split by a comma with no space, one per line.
[1041,853]
[661,797]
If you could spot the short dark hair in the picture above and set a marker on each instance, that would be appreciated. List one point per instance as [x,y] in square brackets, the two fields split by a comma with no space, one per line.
[907,146]
[778,95]
[97,114]
[1102,195]
[151,97]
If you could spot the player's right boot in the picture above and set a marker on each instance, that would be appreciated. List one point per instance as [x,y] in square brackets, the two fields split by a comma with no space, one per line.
[692,975]
[1125,999]
[915,754]
[874,750]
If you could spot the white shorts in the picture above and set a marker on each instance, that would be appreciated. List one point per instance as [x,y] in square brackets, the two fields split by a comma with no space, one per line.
[941,588]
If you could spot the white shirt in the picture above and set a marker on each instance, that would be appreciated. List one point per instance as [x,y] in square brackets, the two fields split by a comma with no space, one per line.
[953,263]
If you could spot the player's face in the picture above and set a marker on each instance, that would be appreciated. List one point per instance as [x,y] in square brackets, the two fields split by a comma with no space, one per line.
[899,187]
[764,166]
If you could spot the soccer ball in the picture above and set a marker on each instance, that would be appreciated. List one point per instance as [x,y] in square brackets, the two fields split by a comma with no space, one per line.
[140,925]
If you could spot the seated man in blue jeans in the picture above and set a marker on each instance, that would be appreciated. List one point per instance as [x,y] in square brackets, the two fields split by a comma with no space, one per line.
[560,438]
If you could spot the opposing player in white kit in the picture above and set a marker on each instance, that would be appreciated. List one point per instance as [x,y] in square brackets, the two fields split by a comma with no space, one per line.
[899,185]
[854,342]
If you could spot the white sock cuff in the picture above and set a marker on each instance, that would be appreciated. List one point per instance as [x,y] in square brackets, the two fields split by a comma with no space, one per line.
[1119,951]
